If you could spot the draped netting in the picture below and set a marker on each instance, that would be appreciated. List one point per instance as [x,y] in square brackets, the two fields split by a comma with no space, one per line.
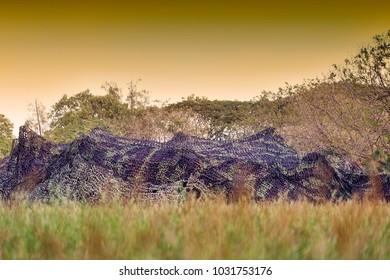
[100,164]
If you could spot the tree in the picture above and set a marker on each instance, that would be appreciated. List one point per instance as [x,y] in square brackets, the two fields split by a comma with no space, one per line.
[137,99]
[221,115]
[366,77]
[5,136]
[112,89]
[371,67]
[232,119]
[349,111]
[38,119]
[72,116]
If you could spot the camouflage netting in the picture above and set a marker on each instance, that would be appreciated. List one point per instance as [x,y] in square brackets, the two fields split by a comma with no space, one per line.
[100,165]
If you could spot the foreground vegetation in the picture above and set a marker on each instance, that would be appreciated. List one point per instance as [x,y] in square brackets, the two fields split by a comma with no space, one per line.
[207,230]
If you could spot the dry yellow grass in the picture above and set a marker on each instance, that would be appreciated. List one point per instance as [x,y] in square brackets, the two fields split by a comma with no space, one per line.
[197,230]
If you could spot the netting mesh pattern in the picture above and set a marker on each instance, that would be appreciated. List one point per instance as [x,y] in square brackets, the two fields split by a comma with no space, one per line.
[99,164]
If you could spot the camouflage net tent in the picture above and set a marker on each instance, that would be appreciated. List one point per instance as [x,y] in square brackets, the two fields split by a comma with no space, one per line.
[100,165]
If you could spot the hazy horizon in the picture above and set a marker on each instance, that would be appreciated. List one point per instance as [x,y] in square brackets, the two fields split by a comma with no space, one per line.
[221,50]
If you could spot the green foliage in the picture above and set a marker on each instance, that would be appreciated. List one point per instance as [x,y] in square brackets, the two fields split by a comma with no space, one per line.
[222,114]
[5,136]
[113,90]
[216,119]
[383,161]
[78,114]
[235,119]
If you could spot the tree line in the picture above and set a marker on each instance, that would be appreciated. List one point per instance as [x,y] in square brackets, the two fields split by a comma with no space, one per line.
[345,112]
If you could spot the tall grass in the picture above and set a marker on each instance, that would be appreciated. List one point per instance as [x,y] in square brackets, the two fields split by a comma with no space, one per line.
[205,230]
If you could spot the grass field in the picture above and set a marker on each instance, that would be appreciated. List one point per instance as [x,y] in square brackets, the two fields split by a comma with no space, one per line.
[208,230]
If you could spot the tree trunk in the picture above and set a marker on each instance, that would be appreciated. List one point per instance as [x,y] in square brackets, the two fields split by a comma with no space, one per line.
[38,118]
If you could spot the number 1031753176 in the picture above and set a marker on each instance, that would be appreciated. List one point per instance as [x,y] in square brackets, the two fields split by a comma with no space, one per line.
[242,270]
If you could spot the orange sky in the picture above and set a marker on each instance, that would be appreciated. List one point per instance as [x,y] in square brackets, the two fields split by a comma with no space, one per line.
[223,49]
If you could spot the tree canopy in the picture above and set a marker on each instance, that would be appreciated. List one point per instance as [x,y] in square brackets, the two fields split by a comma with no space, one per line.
[349,111]
[78,114]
